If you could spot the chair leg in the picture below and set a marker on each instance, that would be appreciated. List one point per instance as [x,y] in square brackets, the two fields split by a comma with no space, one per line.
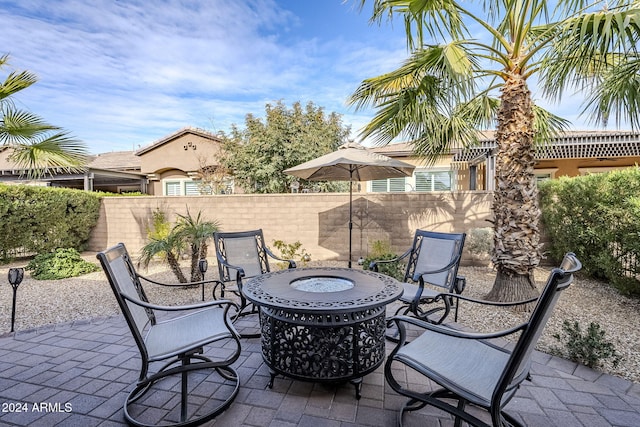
[184,391]
[183,368]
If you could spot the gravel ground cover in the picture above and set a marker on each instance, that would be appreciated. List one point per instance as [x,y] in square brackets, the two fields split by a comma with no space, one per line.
[42,303]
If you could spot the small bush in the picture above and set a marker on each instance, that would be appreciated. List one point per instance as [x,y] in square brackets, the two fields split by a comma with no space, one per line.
[60,264]
[479,242]
[590,348]
[293,251]
[381,251]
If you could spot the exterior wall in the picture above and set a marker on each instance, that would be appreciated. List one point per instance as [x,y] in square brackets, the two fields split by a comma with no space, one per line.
[188,152]
[318,221]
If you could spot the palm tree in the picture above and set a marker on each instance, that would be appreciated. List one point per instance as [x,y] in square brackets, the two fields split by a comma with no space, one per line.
[37,146]
[195,232]
[168,247]
[475,76]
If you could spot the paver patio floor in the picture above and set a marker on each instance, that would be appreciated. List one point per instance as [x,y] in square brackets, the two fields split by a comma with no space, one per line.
[78,374]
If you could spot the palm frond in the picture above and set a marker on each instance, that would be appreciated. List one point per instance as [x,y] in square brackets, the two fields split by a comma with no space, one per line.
[547,125]
[617,95]
[15,82]
[21,127]
[55,151]
[586,47]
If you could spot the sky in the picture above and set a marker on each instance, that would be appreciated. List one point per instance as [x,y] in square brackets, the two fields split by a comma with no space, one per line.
[121,74]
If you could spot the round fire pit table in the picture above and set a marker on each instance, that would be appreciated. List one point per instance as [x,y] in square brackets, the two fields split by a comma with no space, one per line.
[323,324]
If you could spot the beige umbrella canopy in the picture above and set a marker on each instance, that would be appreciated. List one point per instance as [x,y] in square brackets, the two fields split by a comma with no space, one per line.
[351,162]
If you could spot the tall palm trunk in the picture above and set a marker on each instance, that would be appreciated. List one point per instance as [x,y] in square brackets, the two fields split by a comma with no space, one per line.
[515,205]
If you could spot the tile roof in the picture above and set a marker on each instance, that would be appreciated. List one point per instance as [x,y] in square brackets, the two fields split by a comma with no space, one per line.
[116,160]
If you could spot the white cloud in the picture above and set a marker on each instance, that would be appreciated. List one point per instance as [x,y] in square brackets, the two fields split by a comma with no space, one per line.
[118,74]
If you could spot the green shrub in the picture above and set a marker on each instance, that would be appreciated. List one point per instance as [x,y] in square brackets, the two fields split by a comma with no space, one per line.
[40,219]
[60,264]
[479,242]
[293,251]
[589,349]
[381,251]
[597,217]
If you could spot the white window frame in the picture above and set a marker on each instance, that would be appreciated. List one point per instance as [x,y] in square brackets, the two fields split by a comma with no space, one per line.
[183,185]
[386,185]
[433,172]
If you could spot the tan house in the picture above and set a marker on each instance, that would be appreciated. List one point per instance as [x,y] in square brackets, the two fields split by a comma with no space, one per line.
[186,163]
[573,154]
[183,163]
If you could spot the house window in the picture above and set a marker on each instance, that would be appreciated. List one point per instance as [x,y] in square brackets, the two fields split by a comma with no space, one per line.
[387,185]
[545,174]
[433,181]
[185,187]
[543,177]
[172,188]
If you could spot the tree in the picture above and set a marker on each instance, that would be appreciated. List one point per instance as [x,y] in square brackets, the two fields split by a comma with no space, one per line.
[477,78]
[37,146]
[258,154]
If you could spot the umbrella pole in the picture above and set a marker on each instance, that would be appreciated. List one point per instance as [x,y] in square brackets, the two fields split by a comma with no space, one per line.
[350,212]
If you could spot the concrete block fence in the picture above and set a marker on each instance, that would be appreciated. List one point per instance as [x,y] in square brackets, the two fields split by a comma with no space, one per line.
[318,220]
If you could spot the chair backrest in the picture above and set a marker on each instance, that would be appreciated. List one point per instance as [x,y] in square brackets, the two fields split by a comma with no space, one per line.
[125,283]
[433,251]
[245,249]
[517,368]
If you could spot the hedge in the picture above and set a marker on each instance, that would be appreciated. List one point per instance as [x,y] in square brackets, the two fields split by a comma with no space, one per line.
[41,219]
[598,217]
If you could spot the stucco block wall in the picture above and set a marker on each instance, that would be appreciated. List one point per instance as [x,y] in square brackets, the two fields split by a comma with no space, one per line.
[318,221]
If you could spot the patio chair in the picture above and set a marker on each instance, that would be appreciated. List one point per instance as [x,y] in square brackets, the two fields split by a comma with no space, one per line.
[432,266]
[178,342]
[469,367]
[242,255]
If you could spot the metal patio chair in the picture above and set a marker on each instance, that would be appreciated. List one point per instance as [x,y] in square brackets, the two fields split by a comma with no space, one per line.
[432,268]
[178,341]
[469,367]
[242,255]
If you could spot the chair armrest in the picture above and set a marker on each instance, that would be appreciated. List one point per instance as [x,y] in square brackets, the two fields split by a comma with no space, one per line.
[443,295]
[200,282]
[401,320]
[220,302]
[373,266]
[240,270]
[292,263]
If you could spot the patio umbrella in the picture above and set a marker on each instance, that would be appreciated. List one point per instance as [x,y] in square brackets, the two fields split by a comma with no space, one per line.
[351,162]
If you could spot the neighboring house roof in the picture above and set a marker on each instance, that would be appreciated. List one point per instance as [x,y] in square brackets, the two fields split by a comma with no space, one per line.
[116,160]
[570,145]
[201,132]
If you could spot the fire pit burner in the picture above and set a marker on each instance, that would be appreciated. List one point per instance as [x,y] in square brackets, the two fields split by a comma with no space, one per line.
[322,284]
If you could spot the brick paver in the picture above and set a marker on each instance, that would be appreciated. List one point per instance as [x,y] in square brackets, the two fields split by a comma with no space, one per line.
[79,374]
